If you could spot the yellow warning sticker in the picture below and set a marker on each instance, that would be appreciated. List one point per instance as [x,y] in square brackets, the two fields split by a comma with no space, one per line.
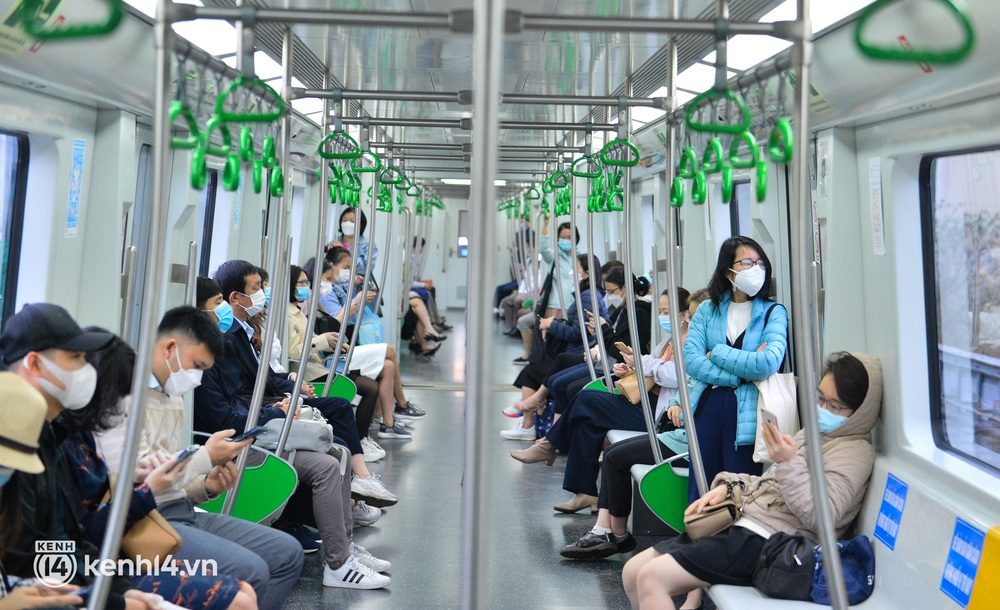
[986,591]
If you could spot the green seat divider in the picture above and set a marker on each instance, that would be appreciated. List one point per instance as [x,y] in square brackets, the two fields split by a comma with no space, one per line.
[264,491]
[665,493]
[340,387]
[598,384]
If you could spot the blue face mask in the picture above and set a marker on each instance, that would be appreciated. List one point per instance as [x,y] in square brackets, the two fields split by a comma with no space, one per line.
[5,475]
[225,313]
[565,245]
[267,298]
[665,323]
[828,422]
[302,293]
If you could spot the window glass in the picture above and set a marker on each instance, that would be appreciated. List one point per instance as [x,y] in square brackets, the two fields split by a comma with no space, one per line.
[13,183]
[961,201]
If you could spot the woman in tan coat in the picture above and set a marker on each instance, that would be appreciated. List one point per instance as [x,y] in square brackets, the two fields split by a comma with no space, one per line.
[849,398]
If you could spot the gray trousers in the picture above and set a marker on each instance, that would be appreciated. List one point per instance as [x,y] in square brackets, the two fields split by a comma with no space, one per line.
[267,559]
[331,501]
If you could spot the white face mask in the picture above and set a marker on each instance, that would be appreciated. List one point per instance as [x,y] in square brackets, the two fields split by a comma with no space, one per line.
[182,380]
[750,280]
[614,300]
[347,228]
[257,299]
[343,276]
[325,288]
[80,384]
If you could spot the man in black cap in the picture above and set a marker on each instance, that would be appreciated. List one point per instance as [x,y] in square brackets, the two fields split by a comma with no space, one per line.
[43,345]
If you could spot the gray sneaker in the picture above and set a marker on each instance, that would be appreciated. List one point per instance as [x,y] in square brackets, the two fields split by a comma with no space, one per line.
[364,515]
[409,412]
[397,430]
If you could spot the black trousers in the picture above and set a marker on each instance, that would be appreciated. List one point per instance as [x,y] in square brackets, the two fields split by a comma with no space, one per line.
[616,476]
[368,391]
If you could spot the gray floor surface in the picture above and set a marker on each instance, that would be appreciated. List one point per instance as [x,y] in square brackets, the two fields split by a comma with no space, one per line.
[421,534]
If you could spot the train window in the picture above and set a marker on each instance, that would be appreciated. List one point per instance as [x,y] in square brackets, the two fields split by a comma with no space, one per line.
[206,209]
[960,202]
[13,186]
[463,234]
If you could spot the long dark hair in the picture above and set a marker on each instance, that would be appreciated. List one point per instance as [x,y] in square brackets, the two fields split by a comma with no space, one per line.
[296,271]
[360,224]
[588,262]
[114,366]
[719,285]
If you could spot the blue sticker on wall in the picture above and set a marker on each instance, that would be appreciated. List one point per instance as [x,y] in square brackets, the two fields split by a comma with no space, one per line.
[963,562]
[75,186]
[890,515]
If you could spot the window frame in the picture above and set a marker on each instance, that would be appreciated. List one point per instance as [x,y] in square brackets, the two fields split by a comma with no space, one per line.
[934,385]
[15,220]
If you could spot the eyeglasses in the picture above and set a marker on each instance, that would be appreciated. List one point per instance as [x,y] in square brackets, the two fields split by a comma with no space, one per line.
[833,406]
[747,263]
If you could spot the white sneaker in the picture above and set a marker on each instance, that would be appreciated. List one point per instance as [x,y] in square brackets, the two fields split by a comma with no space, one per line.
[517,433]
[373,451]
[372,491]
[354,575]
[364,515]
[367,559]
[512,413]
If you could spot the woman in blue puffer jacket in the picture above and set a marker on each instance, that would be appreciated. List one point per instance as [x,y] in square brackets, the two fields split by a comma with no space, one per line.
[737,337]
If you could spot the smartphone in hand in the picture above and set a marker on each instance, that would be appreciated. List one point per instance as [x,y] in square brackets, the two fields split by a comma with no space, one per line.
[621,347]
[254,433]
[768,418]
[184,456]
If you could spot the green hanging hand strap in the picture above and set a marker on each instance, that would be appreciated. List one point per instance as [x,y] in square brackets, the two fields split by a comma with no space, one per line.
[619,146]
[586,172]
[731,128]
[688,164]
[762,171]
[780,145]
[249,117]
[180,109]
[345,147]
[727,184]
[894,52]
[677,192]
[33,21]
[711,161]
[699,190]
[747,138]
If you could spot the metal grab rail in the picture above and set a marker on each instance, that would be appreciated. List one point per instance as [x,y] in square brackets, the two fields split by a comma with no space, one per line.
[363,304]
[910,55]
[602,349]
[577,300]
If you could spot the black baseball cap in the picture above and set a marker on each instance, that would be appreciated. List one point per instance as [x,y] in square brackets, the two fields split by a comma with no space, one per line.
[41,326]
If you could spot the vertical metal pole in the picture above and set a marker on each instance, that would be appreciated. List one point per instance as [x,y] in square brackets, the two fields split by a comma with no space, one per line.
[601,347]
[321,223]
[655,332]
[558,268]
[673,272]
[129,289]
[385,258]
[153,282]
[279,276]
[804,313]
[364,285]
[191,286]
[487,75]
[407,261]
[577,301]
[346,305]
[625,124]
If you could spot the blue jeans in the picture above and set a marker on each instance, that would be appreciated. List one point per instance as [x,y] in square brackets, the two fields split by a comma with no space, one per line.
[559,383]
[267,559]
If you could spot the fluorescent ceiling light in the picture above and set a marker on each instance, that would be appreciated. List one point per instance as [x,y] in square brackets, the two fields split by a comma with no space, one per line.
[457,181]
[499,183]
[213,36]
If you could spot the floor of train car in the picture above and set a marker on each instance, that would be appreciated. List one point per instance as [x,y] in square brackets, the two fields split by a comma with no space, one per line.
[421,534]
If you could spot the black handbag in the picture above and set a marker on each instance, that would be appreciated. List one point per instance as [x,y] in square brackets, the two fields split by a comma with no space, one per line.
[785,568]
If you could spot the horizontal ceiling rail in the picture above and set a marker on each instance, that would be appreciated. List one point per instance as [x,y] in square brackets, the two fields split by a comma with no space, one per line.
[464,98]
[460,21]
[417,146]
[466,124]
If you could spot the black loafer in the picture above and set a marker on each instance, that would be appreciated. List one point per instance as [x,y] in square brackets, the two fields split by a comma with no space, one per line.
[591,546]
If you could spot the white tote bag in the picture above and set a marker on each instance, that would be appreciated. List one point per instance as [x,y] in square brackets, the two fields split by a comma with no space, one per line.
[777,395]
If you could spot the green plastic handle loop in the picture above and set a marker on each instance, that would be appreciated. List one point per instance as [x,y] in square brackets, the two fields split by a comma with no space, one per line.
[532,194]
[927,56]
[547,186]
[249,117]
[689,163]
[677,192]
[699,190]
[231,173]
[334,189]
[611,198]
[559,180]
[711,161]
[727,94]
[247,149]
[361,169]
[342,140]
[336,173]
[33,21]
[780,145]
[179,109]
[618,145]
[216,122]
[199,169]
[258,175]
[762,181]
[268,154]
[414,191]
[390,176]
[734,151]
[404,184]
[579,173]
[727,184]
[277,182]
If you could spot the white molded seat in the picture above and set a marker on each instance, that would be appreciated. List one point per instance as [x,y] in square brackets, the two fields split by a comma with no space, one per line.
[616,436]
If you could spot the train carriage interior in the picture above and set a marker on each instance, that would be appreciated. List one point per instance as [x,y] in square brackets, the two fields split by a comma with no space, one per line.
[439,189]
